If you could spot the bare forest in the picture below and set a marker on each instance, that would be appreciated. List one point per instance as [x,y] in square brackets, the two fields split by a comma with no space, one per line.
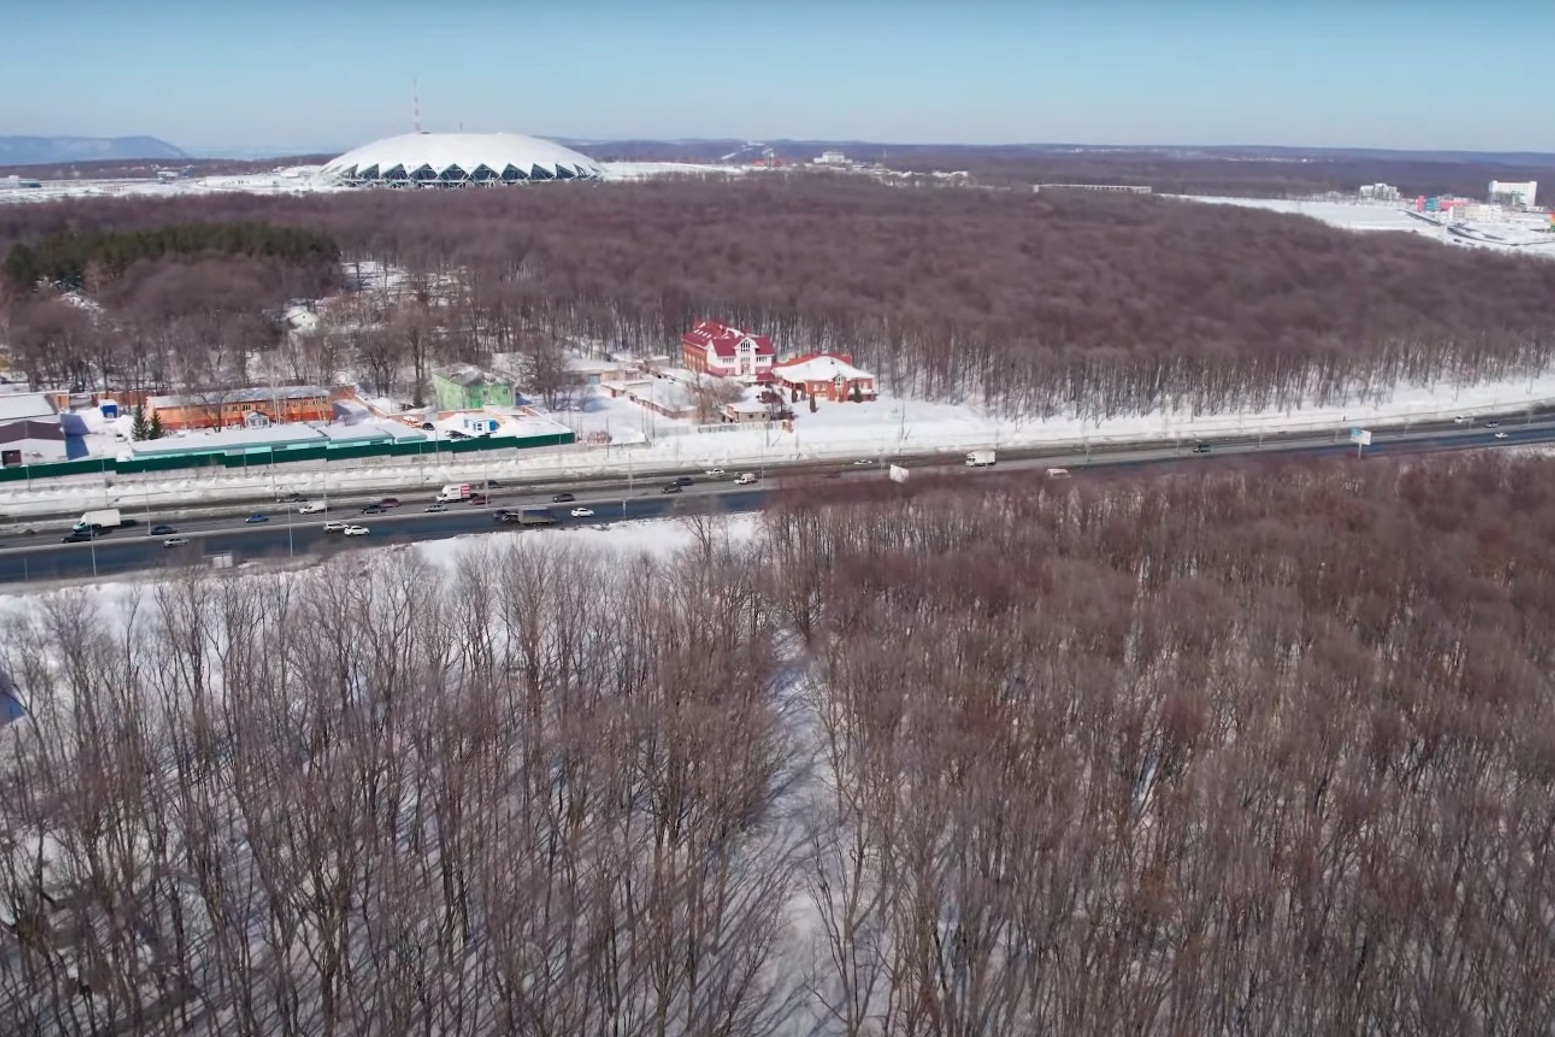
[1258,750]
[1033,304]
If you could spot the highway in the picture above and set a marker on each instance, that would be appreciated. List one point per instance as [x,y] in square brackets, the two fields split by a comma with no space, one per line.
[41,555]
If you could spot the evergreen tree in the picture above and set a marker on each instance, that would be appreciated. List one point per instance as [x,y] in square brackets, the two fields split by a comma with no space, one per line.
[858,393]
[139,429]
[155,431]
[813,407]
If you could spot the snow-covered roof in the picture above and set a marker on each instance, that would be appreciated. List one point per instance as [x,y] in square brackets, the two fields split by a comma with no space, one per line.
[821,368]
[452,158]
[23,405]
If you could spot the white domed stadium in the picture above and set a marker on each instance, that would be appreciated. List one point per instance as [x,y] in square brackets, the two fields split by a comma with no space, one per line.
[459,160]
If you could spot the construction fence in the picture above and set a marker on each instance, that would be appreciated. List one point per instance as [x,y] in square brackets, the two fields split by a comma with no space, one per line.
[256,457]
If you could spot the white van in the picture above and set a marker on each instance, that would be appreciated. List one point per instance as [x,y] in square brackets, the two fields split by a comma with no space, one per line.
[745,479]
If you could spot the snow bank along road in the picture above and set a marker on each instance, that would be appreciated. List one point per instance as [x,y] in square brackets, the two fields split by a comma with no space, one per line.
[24,558]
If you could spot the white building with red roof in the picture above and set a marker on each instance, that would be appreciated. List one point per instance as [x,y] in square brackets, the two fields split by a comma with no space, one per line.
[724,351]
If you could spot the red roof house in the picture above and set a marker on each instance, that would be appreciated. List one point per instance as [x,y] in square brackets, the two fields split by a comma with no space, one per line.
[724,351]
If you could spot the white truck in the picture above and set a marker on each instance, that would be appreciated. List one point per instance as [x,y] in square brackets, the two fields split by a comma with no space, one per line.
[745,479]
[454,491]
[982,458]
[101,519]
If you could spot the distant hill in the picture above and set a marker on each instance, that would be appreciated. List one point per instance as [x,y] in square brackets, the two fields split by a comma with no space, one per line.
[32,151]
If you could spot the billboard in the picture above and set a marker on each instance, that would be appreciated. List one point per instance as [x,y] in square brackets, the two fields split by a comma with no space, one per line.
[897,473]
[1361,436]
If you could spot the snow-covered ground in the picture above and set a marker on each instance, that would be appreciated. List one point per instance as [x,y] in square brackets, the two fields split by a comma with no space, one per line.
[884,428]
[1525,234]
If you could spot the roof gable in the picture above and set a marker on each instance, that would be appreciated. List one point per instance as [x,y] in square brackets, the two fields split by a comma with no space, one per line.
[724,339]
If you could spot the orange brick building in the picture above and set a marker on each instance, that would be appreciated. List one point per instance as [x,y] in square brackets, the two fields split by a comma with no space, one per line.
[237,408]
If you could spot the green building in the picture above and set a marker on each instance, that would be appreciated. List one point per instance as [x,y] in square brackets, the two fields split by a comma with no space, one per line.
[466,387]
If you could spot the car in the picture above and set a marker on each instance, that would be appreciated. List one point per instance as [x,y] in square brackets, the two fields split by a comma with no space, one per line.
[582,512]
[313,508]
[356,531]
[862,462]
[162,531]
[373,509]
[563,498]
[427,426]
[684,480]
[1463,419]
[457,435]
[714,473]
[175,542]
[257,516]
[491,483]
[1500,435]
[437,506]
[390,502]
[290,498]
[334,527]
[1201,448]
[673,487]
[77,536]
[1492,424]
[478,499]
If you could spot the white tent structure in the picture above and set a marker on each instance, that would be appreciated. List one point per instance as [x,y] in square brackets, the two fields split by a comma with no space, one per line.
[458,160]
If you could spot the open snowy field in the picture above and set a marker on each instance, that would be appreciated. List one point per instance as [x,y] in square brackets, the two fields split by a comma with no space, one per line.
[882,429]
[1524,235]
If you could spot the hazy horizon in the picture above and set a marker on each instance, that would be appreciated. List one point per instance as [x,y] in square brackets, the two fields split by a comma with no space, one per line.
[295,78]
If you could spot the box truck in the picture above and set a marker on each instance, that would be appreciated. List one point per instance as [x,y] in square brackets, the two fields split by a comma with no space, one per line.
[454,491]
[103,519]
[980,458]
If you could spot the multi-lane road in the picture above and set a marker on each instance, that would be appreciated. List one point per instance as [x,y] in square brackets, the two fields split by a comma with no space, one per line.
[40,555]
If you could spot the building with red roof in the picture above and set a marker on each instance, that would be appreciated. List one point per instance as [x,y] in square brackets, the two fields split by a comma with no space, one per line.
[724,351]
[825,376]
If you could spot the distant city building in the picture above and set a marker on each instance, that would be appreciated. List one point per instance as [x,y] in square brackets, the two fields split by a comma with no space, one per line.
[1123,188]
[1379,192]
[1509,193]
[832,158]
[466,387]
[724,351]
[18,182]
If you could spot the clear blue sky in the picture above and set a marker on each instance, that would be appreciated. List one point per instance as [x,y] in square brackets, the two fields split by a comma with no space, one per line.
[324,75]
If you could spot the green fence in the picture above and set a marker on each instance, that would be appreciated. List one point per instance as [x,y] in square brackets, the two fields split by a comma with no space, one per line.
[265,457]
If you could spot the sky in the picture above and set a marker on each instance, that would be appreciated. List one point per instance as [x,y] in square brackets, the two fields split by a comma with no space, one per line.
[315,75]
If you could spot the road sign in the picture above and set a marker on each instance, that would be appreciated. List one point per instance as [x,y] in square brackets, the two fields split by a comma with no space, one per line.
[1361,436]
[898,473]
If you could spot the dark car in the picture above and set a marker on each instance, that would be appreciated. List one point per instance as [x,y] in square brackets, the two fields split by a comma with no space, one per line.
[684,480]
[162,531]
[296,498]
[477,498]
[258,516]
[78,536]
[673,487]
[390,502]
[373,509]
[563,498]
[1201,448]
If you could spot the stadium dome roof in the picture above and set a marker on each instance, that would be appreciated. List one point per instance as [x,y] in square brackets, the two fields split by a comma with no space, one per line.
[456,159]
